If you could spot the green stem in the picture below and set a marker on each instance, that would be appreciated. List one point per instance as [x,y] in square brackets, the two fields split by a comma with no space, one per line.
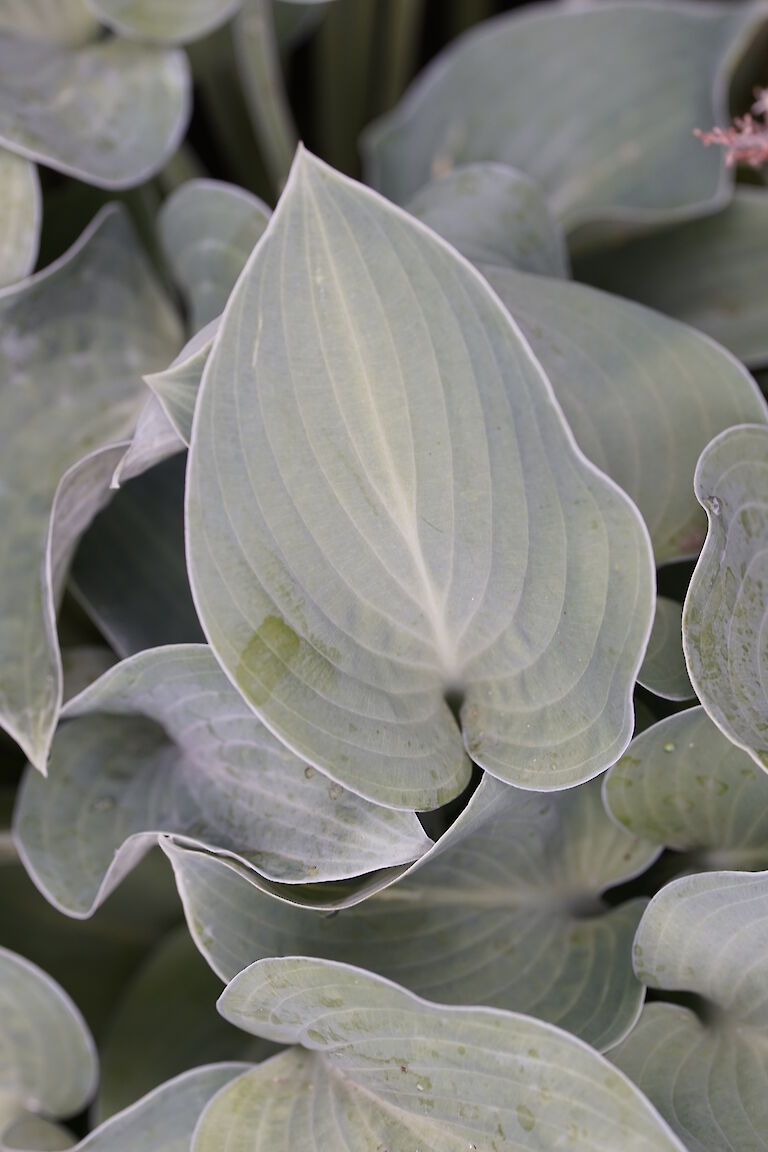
[404,21]
[344,60]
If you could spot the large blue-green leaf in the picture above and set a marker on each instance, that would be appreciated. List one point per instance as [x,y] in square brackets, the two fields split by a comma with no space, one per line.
[724,616]
[385,1069]
[643,394]
[510,917]
[110,113]
[20,217]
[663,671]
[681,783]
[166,21]
[706,1074]
[397,510]
[708,272]
[162,743]
[596,101]
[74,340]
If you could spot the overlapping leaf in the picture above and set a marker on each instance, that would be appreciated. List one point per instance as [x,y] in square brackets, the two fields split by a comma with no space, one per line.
[706,1074]
[510,917]
[154,440]
[724,615]
[65,22]
[644,395]
[663,671]
[20,217]
[708,272]
[494,215]
[47,1055]
[681,783]
[529,89]
[165,1023]
[163,743]
[177,387]
[386,1069]
[398,510]
[208,230]
[130,572]
[74,340]
[166,21]
[109,113]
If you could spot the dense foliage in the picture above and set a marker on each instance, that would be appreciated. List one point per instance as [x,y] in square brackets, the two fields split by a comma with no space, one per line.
[384,578]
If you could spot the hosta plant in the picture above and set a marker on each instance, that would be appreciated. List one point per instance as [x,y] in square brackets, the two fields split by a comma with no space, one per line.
[383,585]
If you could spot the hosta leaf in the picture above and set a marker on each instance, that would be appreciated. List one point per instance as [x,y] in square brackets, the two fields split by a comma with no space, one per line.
[130,573]
[164,1119]
[165,1023]
[110,113]
[681,783]
[74,340]
[403,512]
[633,158]
[36,1134]
[706,934]
[154,440]
[708,272]
[643,394]
[47,1056]
[663,671]
[177,387]
[166,21]
[20,217]
[163,743]
[389,1069]
[58,21]
[724,612]
[208,230]
[494,215]
[509,917]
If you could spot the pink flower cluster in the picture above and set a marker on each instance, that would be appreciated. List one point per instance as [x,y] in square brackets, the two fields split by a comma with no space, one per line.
[746,140]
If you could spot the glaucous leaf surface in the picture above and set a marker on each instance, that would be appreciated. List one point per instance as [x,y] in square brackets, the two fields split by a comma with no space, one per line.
[509,917]
[110,113]
[130,572]
[35,1134]
[494,215]
[683,784]
[166,1022]
[643,394]
[389,1069]
[74,341]
[708,272]
[208,229]
[177,387]
[162,743]
[164,1119]
[166,21]
[706,934]
[154,440]
[663,671]
[398,509]
[529,90]
[20,217]
[47,1057]
[66,22]
[724,615]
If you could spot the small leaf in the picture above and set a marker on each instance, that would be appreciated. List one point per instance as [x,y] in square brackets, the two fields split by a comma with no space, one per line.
[110,113]
[413,1074]
[509,917]
[36,1135]
[708,272]
[155,439]
[165,21]
[208,229]
[528,89]
[20,217]
[663,671]
[706,934]
[67,386]
[724,609]
[416,437]
[683,784]
[47,1057]
[643,394]
[164,744]
[494,215]
[177,387]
